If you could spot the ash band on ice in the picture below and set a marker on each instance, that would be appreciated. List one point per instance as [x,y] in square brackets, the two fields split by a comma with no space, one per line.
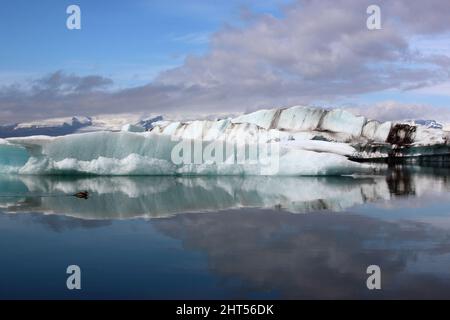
[261,157]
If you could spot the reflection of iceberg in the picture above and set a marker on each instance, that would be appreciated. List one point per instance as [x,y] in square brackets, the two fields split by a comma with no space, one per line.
[417,180]
[316,256]
[127,197]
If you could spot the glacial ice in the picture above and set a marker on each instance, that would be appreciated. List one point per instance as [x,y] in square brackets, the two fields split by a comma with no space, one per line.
[310,141]
[343,121]
[321,146]
[370,138]
[300,119]
[260,118]
[376,131]
[129,153]
[132,128]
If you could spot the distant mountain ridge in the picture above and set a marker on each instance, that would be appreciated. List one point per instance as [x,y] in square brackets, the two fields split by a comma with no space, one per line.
[432,124]
[69,125]
[64,126]
[52,127]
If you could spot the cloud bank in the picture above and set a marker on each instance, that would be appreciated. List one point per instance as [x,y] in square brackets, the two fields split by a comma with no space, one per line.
[392,110]
[316,51]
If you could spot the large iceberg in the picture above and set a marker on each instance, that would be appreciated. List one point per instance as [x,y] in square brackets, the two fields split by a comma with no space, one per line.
[370,139]
[296,141]
[147,153]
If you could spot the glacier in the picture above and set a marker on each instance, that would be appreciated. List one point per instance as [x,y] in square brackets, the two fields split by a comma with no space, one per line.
[305,141]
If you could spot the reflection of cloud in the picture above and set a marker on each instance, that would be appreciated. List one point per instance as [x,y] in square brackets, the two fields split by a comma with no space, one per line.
[314,255]
[59,223]
[60,82]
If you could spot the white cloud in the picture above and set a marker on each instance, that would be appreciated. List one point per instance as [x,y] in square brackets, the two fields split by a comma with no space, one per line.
[392,110]
[442,89]
[316,50]
[195,38]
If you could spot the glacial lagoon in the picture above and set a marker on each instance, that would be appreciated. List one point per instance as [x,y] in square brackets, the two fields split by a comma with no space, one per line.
[227,237]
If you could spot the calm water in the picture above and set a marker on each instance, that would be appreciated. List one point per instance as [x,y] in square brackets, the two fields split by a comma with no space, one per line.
[227,237]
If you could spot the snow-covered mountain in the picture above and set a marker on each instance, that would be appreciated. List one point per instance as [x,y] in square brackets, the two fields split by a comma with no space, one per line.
[77,124]
[50,127]
[432,124]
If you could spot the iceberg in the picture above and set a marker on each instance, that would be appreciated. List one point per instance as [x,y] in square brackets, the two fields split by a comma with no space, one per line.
[371,139]
[131,153]
[296,141]
[132,128]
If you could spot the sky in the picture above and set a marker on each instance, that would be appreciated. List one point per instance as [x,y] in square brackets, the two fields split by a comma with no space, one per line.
[206,57]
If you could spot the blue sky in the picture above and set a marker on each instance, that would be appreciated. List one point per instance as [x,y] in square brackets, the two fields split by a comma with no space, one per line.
[204,56]
[130,41]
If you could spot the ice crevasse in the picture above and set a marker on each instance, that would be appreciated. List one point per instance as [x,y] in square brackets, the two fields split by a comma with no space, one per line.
[309,141]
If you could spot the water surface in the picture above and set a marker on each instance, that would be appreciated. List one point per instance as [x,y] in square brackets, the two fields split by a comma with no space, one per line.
[227,237]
